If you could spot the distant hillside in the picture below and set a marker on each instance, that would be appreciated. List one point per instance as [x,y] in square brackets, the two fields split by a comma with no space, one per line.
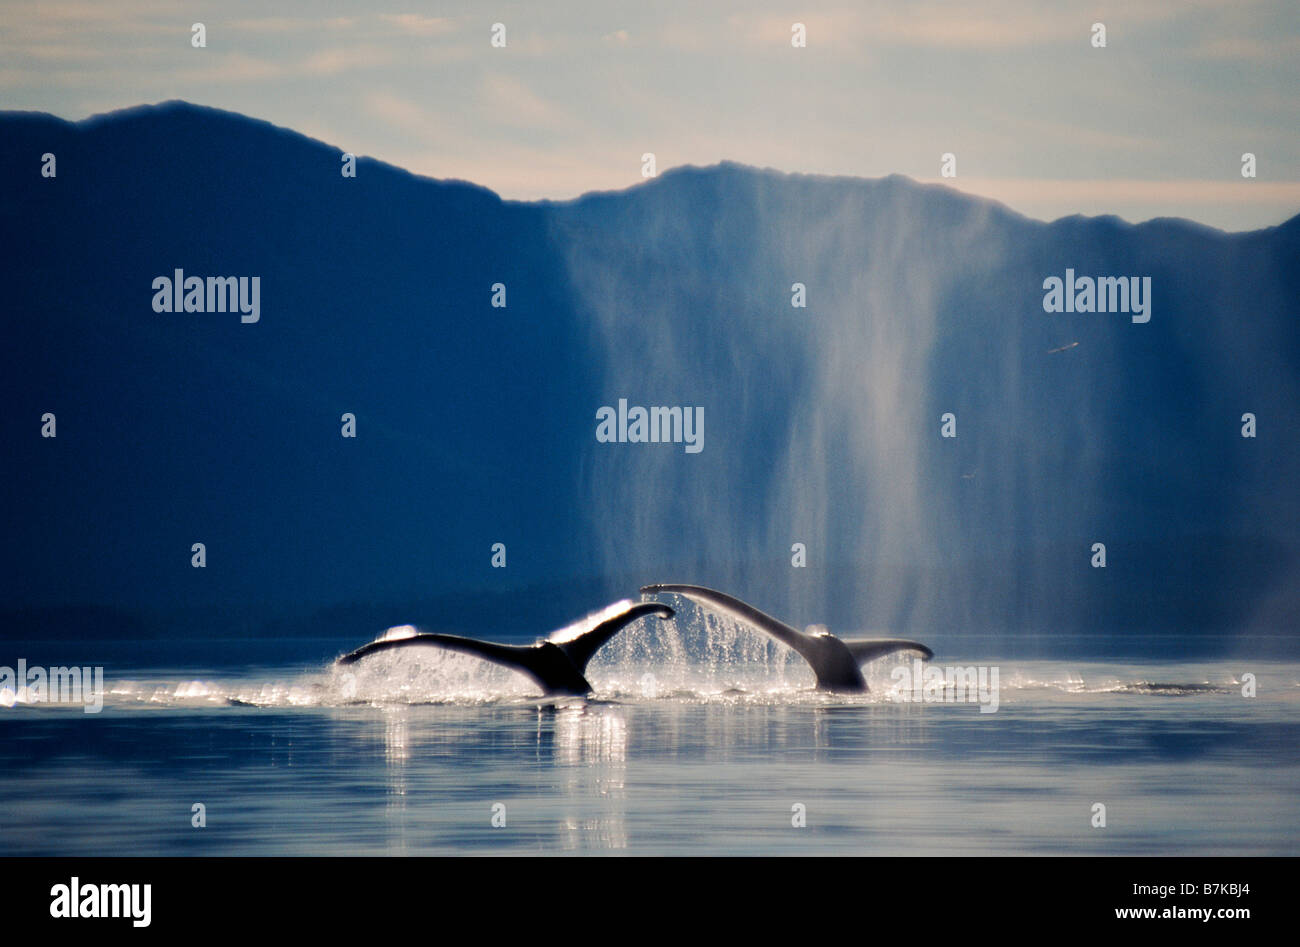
[477,425]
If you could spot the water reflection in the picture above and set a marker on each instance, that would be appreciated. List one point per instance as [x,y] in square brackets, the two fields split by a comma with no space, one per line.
[591,755]
[587,746]
[654,772]
[396,754]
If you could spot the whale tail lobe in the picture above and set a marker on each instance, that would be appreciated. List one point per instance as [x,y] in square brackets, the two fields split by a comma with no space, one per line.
[835,663]
[557,665]
[868,649]
[580,647]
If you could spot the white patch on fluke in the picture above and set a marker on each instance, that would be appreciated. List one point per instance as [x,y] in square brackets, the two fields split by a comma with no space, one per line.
[584,625]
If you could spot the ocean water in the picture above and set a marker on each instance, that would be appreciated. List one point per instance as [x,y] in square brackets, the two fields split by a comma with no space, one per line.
[706,743]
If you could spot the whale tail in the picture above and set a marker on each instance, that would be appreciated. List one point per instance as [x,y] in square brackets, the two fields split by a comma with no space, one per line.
[735,608]
[558,666]
[835,663]
[579,645]
[868,649]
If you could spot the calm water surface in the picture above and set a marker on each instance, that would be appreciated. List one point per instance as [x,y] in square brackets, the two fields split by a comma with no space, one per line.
[710,753]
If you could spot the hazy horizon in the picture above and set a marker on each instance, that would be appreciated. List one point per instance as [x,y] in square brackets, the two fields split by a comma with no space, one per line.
[1038,118]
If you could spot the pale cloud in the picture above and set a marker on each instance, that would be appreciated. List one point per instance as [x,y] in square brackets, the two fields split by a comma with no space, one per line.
[921,24]
[123,15]
[524,173]
[507,100]
[271,24]
[21,35]
[403,115]
[937,24]
[681,36]
[971,28]
[1083,136]
[329,62]
[233,67]
[1257,49]
[1284,196]
[63,52]
[241,67]
[418,25]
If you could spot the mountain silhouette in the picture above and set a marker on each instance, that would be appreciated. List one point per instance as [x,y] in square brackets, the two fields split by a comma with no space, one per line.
[476,425]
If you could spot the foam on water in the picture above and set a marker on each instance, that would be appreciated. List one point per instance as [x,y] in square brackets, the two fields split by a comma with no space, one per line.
[436,678]
[697,657]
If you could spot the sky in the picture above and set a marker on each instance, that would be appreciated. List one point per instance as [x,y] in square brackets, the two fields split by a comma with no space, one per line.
[1153,124]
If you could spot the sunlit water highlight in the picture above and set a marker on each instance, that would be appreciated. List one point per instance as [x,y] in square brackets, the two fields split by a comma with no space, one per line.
[699,742]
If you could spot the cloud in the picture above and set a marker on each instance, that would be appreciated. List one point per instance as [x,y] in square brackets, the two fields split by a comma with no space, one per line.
[328,62]
[403,115]
[271,24]
[241,67]
[1177,195]
[418,25]
[509,101]
[935,24]
[235,67]
[1254,49]
[66,52]
[124,16]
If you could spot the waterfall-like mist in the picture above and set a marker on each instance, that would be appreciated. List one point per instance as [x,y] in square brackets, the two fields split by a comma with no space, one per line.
[822,426]
[823,423]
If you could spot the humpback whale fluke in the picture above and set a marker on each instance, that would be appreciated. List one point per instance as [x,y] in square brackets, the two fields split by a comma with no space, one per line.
[557,664]
[835,662]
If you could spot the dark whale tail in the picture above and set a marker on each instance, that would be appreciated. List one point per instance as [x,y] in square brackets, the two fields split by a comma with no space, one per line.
[557,665]
[835,662]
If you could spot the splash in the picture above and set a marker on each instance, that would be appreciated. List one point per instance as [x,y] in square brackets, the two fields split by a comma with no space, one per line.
[696,658]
